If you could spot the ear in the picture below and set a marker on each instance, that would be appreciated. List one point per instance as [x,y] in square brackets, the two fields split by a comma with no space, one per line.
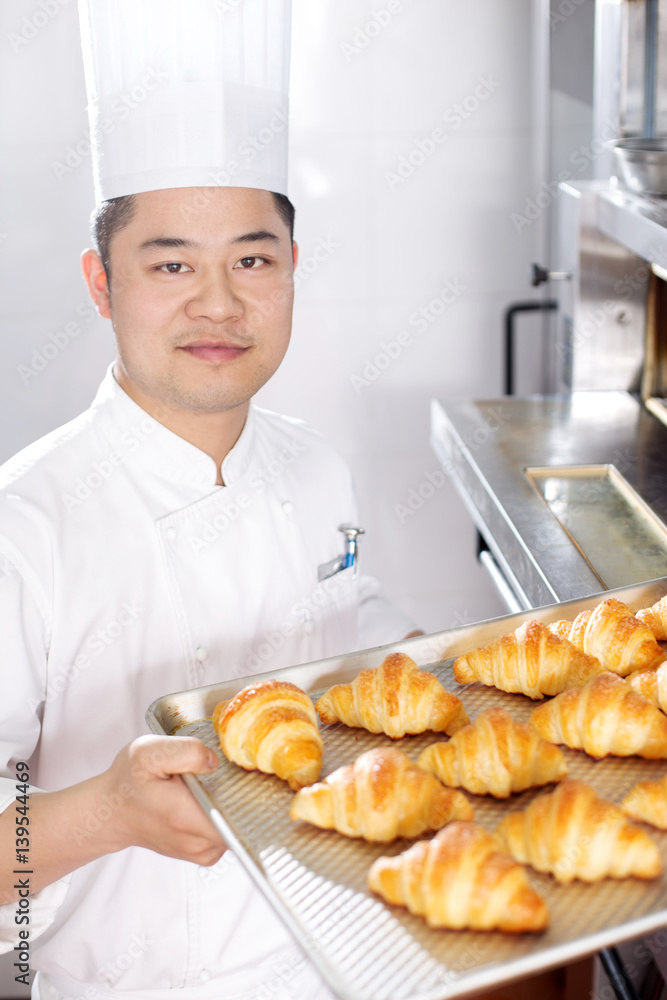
[295,254]
[96,280]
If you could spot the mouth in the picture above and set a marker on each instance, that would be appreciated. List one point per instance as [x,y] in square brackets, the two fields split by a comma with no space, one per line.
[214,351]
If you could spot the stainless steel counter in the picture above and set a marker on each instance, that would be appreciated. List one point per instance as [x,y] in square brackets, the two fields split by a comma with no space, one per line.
[487,445]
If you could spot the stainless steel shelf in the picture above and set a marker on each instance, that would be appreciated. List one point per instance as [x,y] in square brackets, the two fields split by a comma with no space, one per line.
[487,445]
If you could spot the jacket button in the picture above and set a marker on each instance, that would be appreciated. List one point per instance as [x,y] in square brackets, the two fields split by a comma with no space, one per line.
[204,975]
[288,507]
[201,653]
[171,533]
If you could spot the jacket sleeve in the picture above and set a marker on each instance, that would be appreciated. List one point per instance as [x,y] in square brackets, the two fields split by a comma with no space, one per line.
[380,621]
[25,630]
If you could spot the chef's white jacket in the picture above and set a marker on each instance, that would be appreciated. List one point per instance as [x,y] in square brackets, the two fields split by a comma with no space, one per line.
[125,574]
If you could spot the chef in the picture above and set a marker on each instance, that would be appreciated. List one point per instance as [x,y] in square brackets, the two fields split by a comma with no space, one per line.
[174,535]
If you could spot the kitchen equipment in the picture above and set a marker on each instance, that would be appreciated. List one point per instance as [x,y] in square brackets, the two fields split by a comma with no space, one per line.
[643,164]
[568,492]
[643,160]
[316,879]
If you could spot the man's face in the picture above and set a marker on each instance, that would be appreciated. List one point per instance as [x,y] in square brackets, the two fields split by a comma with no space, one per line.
[201,297]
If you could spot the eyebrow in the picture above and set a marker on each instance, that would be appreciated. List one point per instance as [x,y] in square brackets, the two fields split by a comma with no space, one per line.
[169,243]
[256,237]
[178,243]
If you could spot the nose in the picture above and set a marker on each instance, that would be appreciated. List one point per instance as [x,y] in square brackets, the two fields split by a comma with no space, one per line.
[214,298]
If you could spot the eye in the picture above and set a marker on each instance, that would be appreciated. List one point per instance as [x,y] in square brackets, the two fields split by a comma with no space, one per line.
[250,263]
[174,268]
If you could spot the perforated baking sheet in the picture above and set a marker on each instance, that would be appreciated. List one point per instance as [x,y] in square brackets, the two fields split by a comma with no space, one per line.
[366,949]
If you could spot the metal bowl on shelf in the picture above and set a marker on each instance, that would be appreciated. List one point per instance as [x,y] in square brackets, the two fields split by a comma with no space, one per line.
[643,164]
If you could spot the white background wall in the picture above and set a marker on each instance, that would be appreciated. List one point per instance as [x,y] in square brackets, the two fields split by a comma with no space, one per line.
[361,108]
[364,97]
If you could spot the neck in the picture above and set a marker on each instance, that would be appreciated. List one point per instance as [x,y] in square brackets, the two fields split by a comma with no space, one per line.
[213,433]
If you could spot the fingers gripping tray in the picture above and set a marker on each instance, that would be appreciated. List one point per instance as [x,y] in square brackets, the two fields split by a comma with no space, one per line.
[316,879]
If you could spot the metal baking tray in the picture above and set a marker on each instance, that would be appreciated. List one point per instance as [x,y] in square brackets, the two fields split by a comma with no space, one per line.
[617,534]
[316,879]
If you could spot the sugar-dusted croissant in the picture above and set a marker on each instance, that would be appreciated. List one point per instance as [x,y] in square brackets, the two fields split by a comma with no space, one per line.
[461,879]
[494,755]
[621,642]
[652,684]
[572,833]
[647,801]
[603,717]
[530,660]
[395,698]
[379,797]
[656,618]
[271,726]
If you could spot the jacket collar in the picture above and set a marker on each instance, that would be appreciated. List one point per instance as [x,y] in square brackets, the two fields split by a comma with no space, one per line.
[137,437]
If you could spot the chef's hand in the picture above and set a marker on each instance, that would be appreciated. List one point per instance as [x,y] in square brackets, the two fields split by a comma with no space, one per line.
[153,807]
[141,800]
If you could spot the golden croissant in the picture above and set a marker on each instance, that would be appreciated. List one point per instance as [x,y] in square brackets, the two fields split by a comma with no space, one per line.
[395,698]
[271,726]
[494,755]
[603,717]
[531,660]
[651,684]
[656,618]
[647,801]
[572,833]
[461,879]
[379,797]
[621,642]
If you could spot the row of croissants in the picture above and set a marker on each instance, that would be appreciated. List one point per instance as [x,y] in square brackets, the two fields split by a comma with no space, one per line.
[606,676]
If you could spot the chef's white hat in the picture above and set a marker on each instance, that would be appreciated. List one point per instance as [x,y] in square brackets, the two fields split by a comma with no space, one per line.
[186,93]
